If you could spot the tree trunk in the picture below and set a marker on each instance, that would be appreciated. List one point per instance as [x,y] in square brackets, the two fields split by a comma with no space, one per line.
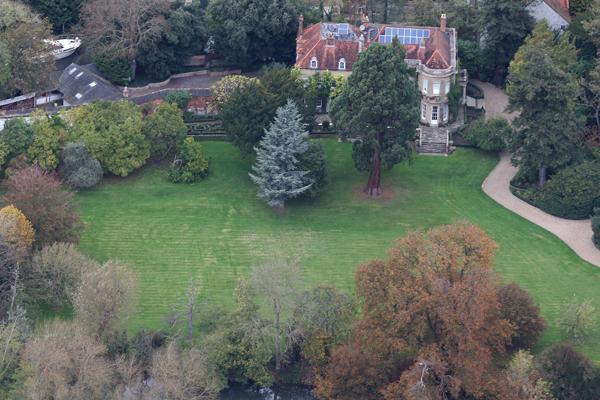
[542,176]
[373,187]
[598,123]
[385,11]
[133,66]
[190,318]
[277,339]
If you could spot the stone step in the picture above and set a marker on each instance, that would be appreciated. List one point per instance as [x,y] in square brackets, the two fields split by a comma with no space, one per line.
[430,148]
[434,135]
[433,139]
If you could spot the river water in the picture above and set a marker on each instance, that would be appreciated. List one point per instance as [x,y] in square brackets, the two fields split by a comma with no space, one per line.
[276,393]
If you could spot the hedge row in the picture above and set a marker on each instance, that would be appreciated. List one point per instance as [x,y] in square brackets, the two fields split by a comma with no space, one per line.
[596,227]
[572,193]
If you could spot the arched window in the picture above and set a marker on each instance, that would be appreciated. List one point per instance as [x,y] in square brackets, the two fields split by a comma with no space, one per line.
[313,63]
[342,64]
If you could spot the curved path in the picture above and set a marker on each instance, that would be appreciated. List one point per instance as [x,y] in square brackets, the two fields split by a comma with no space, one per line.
[577,234]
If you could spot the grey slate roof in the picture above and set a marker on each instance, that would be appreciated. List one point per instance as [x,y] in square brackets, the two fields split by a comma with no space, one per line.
[81,84]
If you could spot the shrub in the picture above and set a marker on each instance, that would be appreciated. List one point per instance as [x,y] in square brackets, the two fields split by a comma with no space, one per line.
[491,135]
[165,129]
[596,227]
[571,374]
[343,379]
[105,298]
[48,136]
[572,192]
[578,319]
[78,168]
[17,135]
[313,161]
[222,90]
[190,165]
[112,133]
[115,69]
[517,306]
[54,273]
[4,152]
[180,98]
[49,207]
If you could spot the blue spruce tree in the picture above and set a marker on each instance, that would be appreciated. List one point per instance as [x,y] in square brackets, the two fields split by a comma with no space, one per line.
[276,169]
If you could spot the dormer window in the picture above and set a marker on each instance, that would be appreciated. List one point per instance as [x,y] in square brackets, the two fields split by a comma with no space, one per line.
[313,63]
[342,64]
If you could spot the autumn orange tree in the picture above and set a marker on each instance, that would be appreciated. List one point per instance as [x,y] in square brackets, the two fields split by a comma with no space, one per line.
[16,230]
[46,203]
[433,303]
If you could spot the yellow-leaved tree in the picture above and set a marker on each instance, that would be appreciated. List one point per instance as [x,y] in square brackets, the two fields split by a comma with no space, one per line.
[16,230]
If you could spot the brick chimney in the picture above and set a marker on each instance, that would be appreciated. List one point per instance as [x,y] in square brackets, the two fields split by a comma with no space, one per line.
[330,39]
[300,25]
[443,22]
[564,4]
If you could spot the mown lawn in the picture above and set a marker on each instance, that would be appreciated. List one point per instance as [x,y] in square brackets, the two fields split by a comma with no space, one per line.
[217,230]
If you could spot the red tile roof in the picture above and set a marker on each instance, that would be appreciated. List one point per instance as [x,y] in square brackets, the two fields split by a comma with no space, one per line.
[435,53]
[312,44]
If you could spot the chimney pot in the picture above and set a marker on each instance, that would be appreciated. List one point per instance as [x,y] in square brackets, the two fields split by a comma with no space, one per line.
[443,23]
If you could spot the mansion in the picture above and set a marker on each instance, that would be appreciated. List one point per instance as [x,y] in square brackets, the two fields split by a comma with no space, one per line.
[432,51]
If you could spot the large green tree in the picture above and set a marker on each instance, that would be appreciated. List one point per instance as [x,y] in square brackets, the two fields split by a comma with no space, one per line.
[591,22]
[247,32]
[276,171]
[548,126]
[465,18]
[246,113]
[560,47]
[48,134]
[121,27]
[113,133]
[165,129]
[17,135]
[26,61]
[61,13]
[185,35]
[287,84]
[505,25]
[379,107]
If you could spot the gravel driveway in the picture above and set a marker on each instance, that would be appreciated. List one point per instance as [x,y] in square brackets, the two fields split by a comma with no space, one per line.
[576,234]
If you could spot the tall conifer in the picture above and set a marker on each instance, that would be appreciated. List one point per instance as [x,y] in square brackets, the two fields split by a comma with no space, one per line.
[276,169]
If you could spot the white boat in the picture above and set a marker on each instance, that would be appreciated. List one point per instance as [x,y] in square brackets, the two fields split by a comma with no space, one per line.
[63,48]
